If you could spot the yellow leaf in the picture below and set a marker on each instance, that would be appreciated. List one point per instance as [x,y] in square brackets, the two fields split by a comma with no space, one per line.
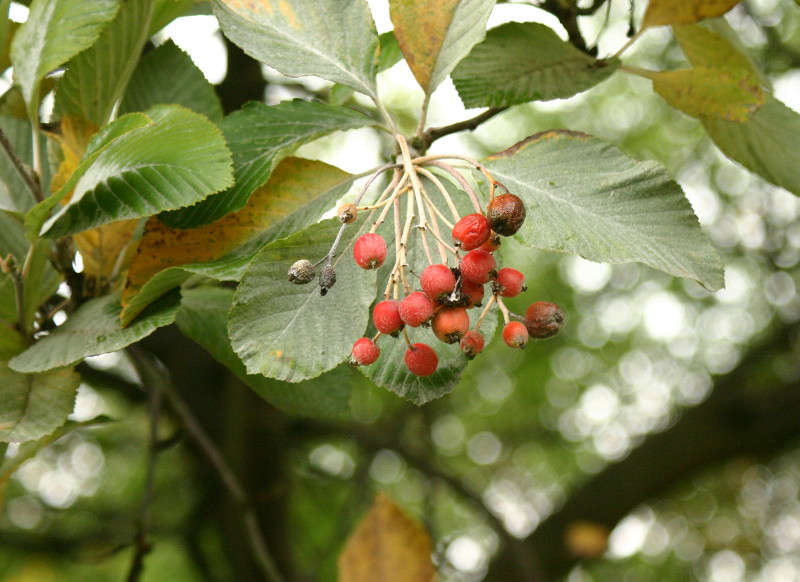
[387,546]
[660,12]
[291,186]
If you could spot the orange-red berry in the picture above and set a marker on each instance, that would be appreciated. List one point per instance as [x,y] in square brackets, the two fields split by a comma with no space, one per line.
[493,243]
[450,324]
[515,334]
[369,250]
[471,231]
[437,282]
[506,213]
[471,293]
[415,309]
[421,360]
[472,343]
[386,316]
[478,266]
[365,352]
[544,319]
[510,282]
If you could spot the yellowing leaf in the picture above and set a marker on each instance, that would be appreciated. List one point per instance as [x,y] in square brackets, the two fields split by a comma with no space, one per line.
[388,546]
[291,186]
[586,539]
[660,12]
[730,94]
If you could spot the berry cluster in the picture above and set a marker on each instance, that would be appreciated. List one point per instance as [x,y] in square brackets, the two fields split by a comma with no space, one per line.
[448,288]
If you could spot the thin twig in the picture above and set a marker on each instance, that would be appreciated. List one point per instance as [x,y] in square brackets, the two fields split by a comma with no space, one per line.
[434,133]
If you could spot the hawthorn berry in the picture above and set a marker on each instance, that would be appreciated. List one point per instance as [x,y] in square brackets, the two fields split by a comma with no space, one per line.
[492,243]
[471,231]
[471,293]
[421,360]
[369,250]
[365,352]
[515,334]
[543,319]
[415,309]
[347,213]
[478,266]
[302,272]
[437,282]
[472,343]
[509,283]
[327,279]
[506,213]
[386,316]
[450,324]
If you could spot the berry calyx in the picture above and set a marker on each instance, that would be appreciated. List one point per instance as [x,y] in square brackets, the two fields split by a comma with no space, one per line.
[509,283]
[437,281]
[421,360]
[515,334]
[506,213]
[450,324]
[369,250]
[365,352]
[416,309]
[471,231]
[386,316]
[478,266]
[543,319]
[472,343]
[302,272]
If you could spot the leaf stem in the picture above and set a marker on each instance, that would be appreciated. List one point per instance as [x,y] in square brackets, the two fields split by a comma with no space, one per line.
[628,44]
[19,167]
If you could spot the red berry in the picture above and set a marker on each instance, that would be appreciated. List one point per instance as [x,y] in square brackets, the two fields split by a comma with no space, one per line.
[478,266]
[543,319]
[450,324]
[416,309]
[437,282]
[369,250]
[510,282]
[506,213]
[472,231]
[472,343]
[365,352]
[421,360]
[386,316]
[471,293]
[515,335]
[493,243]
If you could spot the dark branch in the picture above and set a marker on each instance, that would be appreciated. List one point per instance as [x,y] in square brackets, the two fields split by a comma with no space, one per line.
[434,133]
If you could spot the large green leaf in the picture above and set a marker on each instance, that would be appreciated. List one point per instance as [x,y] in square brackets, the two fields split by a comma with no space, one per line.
[15,194]
[586,197]
[435,36]
[203,317]
[260,136]
[290,332]
[56,30]
[335,40]
[93,330]
[96,78]
[526,61]
[177,161]
[34,405]
[168,75]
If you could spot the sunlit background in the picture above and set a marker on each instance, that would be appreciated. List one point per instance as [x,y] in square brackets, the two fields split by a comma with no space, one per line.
[522,428]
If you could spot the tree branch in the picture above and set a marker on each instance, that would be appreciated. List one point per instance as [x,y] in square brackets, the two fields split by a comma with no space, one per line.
[434,133]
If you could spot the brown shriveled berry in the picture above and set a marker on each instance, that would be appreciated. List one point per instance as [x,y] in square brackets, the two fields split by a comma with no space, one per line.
[543,319]
[437,282]
[506,213]
[471,231]
[347,213]
[450,324]
[478,266]
[302,272]
[364,352]
[416,309]
[369,250]
[386,316]
[421,360]
[509,283]
[327,279]
[515,335]
[472,343]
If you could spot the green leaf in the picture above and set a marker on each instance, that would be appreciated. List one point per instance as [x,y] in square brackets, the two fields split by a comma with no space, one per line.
[34,405]
[293,203]
[526,61]
[765,144]
[56,30]
[168,75]
[203,317]
[165,11]
[586,197]
[176,162]
[290,332]
[15,195]
[93,330]
[260,136]
[335,40]
[660,12]
[435,36]
[710,93]
[96,78]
